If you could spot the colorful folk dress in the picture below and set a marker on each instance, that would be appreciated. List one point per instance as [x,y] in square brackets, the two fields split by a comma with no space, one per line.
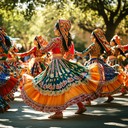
[61,84]
[35,67]
[110,80]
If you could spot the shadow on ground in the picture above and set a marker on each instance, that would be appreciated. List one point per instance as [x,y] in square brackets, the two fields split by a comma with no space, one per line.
[98,115]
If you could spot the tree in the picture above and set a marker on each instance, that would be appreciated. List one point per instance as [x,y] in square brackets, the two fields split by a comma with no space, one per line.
[111,11]
[107,14]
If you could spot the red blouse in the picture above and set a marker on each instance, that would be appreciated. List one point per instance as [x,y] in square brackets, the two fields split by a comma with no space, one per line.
[56,47]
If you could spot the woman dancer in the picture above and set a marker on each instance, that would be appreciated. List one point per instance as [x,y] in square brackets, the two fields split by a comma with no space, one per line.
[35,64]
[111,81]
[62,83]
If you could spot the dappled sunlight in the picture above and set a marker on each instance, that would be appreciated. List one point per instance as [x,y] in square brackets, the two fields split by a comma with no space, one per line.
[103,114]
[54,127]
[116,124]
[4,120]
[124,119]
[18,99]
[106,111]
[13,110]
[113,110]
[5,126]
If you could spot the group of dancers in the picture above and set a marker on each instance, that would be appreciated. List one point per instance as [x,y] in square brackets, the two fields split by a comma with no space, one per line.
[50,81]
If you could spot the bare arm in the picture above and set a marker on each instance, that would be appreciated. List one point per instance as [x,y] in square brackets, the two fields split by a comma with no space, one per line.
[85,52]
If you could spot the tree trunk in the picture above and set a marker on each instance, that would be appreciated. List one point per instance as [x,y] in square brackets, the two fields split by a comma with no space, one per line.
[110,31]
[1,23]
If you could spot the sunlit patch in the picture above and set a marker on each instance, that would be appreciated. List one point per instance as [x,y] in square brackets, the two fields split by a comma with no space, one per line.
[122,103]
[116,124]
[112,110]
[5,126]
[54,127]
[95,114]
[3,120]
[41,117]
[18,99]
[13,110]
[31,111]
[124,119]
[69,113]
[17,94]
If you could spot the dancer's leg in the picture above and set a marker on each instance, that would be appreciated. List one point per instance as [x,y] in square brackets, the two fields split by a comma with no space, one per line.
[81,108]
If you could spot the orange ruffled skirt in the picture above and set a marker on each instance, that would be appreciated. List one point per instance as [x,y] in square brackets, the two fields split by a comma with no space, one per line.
[62,84]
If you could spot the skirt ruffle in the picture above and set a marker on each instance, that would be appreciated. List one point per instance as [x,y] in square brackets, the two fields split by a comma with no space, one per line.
[62,84]
[112,80]
[112,86]
[9,87]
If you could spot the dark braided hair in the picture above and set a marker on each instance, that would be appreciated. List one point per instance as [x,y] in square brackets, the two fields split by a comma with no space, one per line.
[97,40]
[8,41]
[63,40]
[36,38]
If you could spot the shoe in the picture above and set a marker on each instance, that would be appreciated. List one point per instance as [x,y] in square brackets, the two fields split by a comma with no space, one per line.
[56,116]
[109,100]
[80,110]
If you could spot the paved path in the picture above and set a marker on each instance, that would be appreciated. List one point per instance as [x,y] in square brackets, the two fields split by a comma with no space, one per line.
[98,115]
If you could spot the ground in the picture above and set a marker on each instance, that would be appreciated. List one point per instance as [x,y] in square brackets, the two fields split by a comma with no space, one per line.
[98,115]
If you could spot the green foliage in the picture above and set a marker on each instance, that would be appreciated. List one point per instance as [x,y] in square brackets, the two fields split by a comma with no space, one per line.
[38,17]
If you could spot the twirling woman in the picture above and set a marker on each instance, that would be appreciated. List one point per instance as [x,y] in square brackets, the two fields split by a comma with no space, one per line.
[110,80]
[62,83]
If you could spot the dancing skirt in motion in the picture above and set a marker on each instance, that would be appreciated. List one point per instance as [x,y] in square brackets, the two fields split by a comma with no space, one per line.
[60,85]
[8,84]
[112,81]
[37,67]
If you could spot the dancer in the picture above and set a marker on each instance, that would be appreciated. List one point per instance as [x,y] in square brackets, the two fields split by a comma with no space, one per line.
[111,81]
[117,55]
[35,64]
[8,84]
[62,83]
[116,60]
